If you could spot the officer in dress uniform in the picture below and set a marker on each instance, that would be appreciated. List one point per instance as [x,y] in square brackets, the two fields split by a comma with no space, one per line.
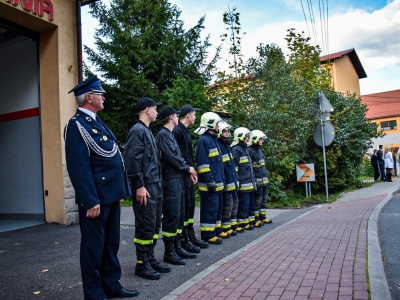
[97,173]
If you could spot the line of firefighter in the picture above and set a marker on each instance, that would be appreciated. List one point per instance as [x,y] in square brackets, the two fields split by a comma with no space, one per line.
[232,185]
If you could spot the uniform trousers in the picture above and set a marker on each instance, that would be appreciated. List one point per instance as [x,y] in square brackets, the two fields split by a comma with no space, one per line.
[148,218]
[229,211]
[261,201]
[173,207]
[210,212]
[189,201]
[246,208]
[100,237]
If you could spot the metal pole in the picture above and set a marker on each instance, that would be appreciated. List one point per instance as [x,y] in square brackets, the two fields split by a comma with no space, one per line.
[306,189]
[309,188]
[323,150]
[79,40]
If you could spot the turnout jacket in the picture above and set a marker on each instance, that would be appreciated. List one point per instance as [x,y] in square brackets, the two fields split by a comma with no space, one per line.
[172,162]
[184,140]
[259,167]
[142,157]
[231,177]
[209,164]
[94,162]
[242,160]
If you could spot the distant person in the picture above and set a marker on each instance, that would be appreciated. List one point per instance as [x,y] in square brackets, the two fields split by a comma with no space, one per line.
[381,163]
[97,173]
[389,164]
[374,163]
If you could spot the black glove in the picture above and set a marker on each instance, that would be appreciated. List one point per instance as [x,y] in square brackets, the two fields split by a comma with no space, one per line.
[211,187]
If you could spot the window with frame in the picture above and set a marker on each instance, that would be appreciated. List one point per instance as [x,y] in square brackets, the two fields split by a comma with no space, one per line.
[389,125]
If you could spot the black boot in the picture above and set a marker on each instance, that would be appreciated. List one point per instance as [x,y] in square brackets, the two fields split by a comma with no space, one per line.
[156,265]
[143,267]
[194,240]
[180,251]
[389,177]
[186,243]
[170,255]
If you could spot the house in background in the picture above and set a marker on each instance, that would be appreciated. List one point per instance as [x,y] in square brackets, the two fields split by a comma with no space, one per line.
[384,112]
[346,71]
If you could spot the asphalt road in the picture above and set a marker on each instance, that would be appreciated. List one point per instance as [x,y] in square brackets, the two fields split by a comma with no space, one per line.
[389,238]
[44,259]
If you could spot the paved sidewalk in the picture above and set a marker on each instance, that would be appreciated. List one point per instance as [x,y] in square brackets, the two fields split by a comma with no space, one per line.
[320,255]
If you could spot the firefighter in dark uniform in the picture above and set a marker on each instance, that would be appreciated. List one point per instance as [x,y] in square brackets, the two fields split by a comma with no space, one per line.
[256,140]
[247,183]
[173,165]
[184,140]
[230,198]
[211,179]
[142,161]
[98,176]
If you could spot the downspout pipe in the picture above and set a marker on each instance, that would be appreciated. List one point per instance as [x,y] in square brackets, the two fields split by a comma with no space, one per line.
[79,48]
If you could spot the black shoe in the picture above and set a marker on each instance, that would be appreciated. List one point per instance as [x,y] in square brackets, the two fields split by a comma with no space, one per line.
[144,269]
[124,293]
[170,255]
[186,243]
[194,240]
[182,252]
[156,265]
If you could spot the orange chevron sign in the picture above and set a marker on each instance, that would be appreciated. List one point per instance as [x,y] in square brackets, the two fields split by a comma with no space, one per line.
[305,172]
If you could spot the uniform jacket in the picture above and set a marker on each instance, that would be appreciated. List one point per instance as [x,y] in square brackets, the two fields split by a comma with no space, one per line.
[172,162]
[209,164]
[380,156]
[94,162]
[142,157]
[374,160]
[184,140]
[259,167]
[231,177]
[244,168]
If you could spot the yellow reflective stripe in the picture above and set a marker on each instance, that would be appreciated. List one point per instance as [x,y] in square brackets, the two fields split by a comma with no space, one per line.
[243,159]
[246,186]
[203,169]
[225,158]
[185,223]
[203,188]
[219,188]
[179,231]
[263,212]
[207,227]
[142,242]
[168,234]
[225,226]
[230,187]
[237,169]
[191,221]
[255,165]
[213,152]
[155,237]
[233,223]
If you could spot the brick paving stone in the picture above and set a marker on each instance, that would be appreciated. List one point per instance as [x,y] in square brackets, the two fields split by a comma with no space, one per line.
[316,294]
[345,290]
[360,295]
[208,296]
[301,298]
[304,291]
[259,296]
[224,292]
[360,286]
[330,296]
[287,295]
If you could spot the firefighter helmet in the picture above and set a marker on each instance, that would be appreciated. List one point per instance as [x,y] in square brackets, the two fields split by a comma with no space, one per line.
[239,135]
[209,120]
[223,126]
[255,136]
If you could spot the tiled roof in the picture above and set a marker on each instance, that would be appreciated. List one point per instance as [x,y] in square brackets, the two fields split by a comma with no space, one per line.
[353,58]
[382,105]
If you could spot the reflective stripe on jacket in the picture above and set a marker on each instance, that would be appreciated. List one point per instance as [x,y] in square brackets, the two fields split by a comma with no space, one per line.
[231,177]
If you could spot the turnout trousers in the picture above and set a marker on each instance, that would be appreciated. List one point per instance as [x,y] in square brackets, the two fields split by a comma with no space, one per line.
[148,218]
[173,208]
[210,212]
[189,201]
[229,211]
[261,200]
[245,214]
[100,237]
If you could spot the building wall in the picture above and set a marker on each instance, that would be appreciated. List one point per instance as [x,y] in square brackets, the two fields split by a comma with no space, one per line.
[344,76]
[58,74]
[391,138]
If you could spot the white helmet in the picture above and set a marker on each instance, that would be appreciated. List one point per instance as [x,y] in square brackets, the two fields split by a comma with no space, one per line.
[255,136]
[223,126]
[239,135]
[209,120]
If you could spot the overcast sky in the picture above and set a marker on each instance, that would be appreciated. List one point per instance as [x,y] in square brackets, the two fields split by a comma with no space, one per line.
[371,27]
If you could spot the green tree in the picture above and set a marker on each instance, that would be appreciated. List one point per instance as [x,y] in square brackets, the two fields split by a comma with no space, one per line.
[142,51]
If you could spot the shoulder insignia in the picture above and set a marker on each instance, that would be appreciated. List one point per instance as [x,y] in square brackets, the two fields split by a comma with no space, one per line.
[88,119]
